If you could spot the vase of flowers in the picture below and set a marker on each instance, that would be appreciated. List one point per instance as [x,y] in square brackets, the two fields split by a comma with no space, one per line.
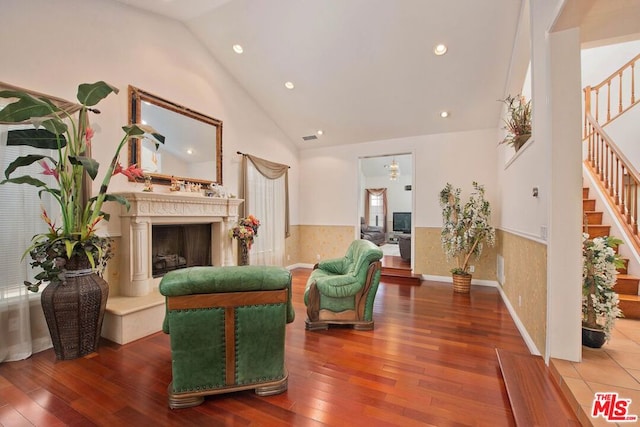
[518,121]
[600,264]
[245,231]
[465,229]
[71,255]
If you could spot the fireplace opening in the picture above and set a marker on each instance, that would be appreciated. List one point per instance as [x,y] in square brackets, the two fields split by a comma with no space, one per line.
[179,246]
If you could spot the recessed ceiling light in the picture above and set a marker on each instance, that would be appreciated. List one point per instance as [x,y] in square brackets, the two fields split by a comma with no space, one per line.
[320,132]
[189,151]
[440,49]
[444,114]
[238,49]
[289,85]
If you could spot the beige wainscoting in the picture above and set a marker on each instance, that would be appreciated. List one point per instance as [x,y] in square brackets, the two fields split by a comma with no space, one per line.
[430,259]
[323,242]
[291,245]
[525,282]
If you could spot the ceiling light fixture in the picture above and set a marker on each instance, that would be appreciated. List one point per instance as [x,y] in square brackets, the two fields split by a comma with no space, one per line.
[189,151]
[394,170]
[289,85]
[444,114]
[320,132]
[440,50]
[238,49]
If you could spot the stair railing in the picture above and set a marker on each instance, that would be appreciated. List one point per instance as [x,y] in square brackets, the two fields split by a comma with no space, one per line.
[616,175]
[624,79]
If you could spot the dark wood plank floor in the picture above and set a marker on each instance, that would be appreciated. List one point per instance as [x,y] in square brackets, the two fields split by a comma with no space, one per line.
[430,361]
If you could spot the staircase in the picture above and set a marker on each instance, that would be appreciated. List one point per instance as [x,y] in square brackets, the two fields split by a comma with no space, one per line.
[626,285]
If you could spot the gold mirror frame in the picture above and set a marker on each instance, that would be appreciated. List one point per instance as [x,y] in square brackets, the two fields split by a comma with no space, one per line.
[136,97]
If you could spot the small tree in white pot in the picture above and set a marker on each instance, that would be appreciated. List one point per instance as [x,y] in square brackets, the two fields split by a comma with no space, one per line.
[465,230]
[599,301]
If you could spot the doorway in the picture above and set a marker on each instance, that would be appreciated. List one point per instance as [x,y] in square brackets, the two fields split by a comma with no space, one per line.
[385,208]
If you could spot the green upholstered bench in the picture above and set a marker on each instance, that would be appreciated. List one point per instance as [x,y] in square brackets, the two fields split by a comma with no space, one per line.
[343,290]
[227,330]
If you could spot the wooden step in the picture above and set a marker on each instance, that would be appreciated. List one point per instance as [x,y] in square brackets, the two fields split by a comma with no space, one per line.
[592,218]
[536,399]
[585,192]
[630,306]
[598,230]
[399,276]
[588,205]
[626,284]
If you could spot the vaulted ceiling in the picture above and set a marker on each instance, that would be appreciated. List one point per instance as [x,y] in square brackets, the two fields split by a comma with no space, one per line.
[363,70]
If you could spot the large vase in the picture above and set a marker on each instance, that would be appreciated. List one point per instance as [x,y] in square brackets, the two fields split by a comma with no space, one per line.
[74,310]
[244,253]
[593,338]
[461,283]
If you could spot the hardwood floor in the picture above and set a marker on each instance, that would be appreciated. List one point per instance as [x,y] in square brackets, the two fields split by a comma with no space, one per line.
[430,360]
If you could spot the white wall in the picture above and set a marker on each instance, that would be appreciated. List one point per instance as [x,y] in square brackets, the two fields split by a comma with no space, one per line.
[330,176]
[54,46]
[600,62]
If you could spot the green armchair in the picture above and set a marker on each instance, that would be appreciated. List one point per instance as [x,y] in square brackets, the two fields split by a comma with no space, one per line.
[343,290]
[227,330]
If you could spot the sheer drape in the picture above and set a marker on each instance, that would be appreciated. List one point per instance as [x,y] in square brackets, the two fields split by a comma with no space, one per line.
[267,198]
[369,193]
[20,210]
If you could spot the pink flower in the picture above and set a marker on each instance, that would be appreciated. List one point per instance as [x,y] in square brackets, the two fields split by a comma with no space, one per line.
[88,134]
[132,171]
[47,169]
[47,220]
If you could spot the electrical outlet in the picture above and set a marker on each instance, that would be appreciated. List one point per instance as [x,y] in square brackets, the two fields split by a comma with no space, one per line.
[288,257]
[318,257]
[472,268]
[519,300]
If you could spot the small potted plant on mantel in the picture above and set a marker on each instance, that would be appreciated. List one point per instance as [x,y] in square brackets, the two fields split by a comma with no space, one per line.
[517,122]
[600,309]
[465,229]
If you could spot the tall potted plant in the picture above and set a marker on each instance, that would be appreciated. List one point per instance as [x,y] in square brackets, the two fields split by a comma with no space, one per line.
[465,229]
[70,254]
[600,309]
[517,122]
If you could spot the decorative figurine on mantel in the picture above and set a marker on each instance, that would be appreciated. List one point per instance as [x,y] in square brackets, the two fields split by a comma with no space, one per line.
[175,184]
[148,186]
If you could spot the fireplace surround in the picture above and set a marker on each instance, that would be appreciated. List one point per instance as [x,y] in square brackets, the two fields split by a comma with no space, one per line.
[149,209]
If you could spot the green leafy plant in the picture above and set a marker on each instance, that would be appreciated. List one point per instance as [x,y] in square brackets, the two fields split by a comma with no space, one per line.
[466,228]
[70,137]
[599,270]
[517,122]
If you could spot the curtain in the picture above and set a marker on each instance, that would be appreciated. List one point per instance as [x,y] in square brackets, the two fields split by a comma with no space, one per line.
[20,210]
[369,193]
[266,196]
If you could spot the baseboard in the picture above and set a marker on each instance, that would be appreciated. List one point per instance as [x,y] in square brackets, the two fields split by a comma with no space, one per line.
[449,279]
[299,265]
[523,331]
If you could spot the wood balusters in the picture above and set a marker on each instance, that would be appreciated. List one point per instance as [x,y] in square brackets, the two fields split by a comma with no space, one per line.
[624,78]
[615,174]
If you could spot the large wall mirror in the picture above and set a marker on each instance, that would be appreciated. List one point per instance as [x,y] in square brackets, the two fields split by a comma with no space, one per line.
[192,150]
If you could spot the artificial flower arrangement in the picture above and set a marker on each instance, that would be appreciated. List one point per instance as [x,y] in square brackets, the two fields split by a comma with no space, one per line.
[599,270]
[466,228]
[518,121]
[69,137]
[245,230]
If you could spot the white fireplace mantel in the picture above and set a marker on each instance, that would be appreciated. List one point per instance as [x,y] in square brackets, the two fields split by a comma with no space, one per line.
[148,209]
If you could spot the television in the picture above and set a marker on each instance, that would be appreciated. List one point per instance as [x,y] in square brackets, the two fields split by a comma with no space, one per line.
[402,222]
